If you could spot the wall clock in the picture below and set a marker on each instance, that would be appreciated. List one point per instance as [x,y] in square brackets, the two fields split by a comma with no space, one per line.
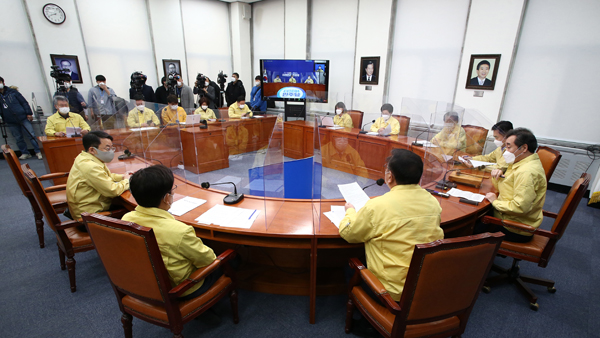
[54,14]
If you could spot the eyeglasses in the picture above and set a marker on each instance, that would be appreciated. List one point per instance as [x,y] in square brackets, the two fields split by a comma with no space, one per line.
[173,189]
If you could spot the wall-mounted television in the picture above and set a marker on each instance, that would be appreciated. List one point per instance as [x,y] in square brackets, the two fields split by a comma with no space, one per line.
[295,80]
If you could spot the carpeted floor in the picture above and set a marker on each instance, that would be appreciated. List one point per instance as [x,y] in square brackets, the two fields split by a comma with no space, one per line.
[36,301]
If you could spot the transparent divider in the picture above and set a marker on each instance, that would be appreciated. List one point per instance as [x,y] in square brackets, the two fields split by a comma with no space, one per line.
[272,173]
[165,148]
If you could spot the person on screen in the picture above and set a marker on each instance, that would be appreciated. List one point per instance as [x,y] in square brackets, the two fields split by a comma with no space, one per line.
[385,120]
[256,100]
[452,137]
[140,116]
[369,70]
[56,125]
[292,79]
[521,190]
[277,79]
[205,112]
[172,113]
[483,68]
[239,109]
[499,130]
[320,75]
[342,118]
[309,80]
[234,89]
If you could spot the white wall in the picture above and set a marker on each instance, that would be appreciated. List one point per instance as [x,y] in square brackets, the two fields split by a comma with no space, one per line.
[268,31]
[168,35]
[240,46]
[296,16]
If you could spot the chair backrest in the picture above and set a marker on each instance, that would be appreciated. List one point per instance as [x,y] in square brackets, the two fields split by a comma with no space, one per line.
[445,277]
[357,117]
[476,136]
[15,167]
[570,204]
[549,158]
[41,197]
[224,113]
[404,124]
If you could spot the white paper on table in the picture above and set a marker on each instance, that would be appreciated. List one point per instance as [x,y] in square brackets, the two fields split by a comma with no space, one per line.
[373,133]
[466,194]
[229,216]
[354,195]
[475,163]
[184,205]
[143,128]
[335,127]
[259,116]
[426,144]
[336,215]
[72,131]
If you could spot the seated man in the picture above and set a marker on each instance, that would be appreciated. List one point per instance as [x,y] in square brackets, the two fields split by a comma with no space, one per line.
[91,187]
[390,225]
[452,137]
[499,131]
[182,252]
[204,111]
[385,120]
[239,109]
[173,113]
[522,190]
[57,123]
[140,116]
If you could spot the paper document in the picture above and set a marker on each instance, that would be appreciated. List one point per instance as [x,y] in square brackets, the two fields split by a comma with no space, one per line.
[354,195]
[259,116]
[72,131]
[465,194]
[184,205]
[426,144]
[336,215]
[475,163]
[373,133]
[143,128]
[335,127]
[447,157]
[229,216]
[387,130]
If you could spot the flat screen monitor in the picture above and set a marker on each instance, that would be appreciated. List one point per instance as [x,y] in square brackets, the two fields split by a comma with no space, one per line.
[295,80]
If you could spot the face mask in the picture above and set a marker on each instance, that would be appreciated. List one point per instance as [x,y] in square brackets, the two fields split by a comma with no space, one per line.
[1,85]
[339,111]
[141,107]
[207,83]
[498,143]
[63,110]
[67,84]
[105,156]
[257,83]
[101,84]
[242,106]
[204,107]
[385,117]
[174,107]
[510,157]
[449,125]
[179,83]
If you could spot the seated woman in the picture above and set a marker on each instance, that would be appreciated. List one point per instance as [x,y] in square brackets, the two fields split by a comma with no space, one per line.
[386,120]
[452,137]
[499,130]
[342,118]
[204,111]
[173,113]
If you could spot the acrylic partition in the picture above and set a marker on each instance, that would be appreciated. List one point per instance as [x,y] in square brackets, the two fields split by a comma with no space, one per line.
[272,175]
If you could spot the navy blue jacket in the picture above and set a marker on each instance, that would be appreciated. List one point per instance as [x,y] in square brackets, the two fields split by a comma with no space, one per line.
[18,108]
[256,99]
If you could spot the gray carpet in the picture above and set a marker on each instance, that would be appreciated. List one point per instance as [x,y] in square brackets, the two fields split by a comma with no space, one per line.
[36,301]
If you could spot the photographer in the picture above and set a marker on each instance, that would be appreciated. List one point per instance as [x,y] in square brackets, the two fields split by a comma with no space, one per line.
[76,102]
[216,102]
[146,91]
[185,94]
[203,88]
[162,92]
[235,89]
[256,101]
[17,115]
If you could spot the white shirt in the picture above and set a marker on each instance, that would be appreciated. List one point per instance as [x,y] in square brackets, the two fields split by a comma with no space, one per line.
[481,82]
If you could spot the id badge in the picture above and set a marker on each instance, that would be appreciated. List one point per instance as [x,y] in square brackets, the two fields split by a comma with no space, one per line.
[101,101]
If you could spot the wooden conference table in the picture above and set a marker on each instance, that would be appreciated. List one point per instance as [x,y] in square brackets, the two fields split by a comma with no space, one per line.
[292,248]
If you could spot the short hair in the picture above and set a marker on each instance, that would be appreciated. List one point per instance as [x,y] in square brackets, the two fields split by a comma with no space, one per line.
[370,63]
[240,98]
[92,139]
[484,62]
[138,96]
[388,107]
[172,64]
[236,74]
[1,79]
[70,78]
[340,105]
[524,136]
[163,80]
[451,114]
[58,98]
[203,99]
[257,77]
[405,166]
[150,185]
[100,78]
[172,99]
[503,127]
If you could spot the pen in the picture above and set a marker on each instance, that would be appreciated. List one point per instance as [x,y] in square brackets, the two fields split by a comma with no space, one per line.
[252,214]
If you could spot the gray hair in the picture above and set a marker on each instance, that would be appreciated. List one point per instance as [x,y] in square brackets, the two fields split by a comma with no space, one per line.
[58,98]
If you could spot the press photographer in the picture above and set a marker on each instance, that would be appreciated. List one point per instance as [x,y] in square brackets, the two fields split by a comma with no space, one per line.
[76,102]
[138,85]
[203,88]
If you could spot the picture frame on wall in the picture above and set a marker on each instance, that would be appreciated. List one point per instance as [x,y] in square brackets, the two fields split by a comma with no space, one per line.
[369,70]
[483,69]
[171,66]
[69,62]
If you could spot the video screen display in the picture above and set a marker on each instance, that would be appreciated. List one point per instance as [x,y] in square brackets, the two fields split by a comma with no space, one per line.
[295,80]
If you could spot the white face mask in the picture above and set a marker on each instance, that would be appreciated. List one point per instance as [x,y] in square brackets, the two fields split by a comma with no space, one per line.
[141,107]
[449,125]
[207,84]
[179,83]
[68,84]
[339,111]
[242,106]
[257,83]
[174,107]
[510,157]
[101,84]
[1,85]
[63,110]
[385,117]
[498,143]
[204,107]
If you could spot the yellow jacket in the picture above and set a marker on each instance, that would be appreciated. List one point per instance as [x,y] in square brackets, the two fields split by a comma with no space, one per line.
[522,193]
[452,140]
[494,157]
[380,123]
[134,117]
[168,115]
[91,186]
[390,225]
[181,251]
[208,114]
[58,124]
[235,112]
[343,120]
[344,157]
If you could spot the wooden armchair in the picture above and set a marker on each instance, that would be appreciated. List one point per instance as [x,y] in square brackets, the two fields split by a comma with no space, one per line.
[540,248]
[357,117]
[133,262]
[404,124]
[442,285]
[476,137]
[56,194]
[550,159]
[69,238]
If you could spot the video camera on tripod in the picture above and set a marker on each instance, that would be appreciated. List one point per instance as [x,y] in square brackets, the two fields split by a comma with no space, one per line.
[200,81]
[172,83]
[60,76]
[137,81]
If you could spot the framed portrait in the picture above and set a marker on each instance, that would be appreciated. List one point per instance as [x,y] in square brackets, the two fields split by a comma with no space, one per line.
[483,70]
[69,62]
[171,66]
[369,70]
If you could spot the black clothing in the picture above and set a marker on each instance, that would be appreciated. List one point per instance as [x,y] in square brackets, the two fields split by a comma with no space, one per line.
[233,91]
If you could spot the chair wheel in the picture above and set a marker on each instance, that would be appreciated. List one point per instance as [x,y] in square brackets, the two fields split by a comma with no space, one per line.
[486,289]
[551,289]
[534,306]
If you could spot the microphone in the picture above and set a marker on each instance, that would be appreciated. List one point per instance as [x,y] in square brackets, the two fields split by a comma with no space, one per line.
[126,154]
[74,129]
[203,124]
[445,185]
[379,182]
[229,199]
[363,127]
[415,143]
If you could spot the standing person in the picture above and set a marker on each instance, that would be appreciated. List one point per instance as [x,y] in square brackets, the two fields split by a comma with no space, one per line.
[185,94]
[234,90]
[207,91]
[17,115]
[147,92]
[217,102]
[101,99]
[385,120]
[172,113]
[161,92]
[342,118]
[256,101]
[57,123]
[76,102]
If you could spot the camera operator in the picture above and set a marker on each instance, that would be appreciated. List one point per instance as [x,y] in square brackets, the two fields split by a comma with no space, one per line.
[57,123]
[162,92]
[235,89]
[256,101]
[17,115]
[146,91]
[203,88]
[76,102]
[101,99]
[185,94]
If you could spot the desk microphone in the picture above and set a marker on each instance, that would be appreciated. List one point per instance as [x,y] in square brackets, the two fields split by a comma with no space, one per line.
[363,127]
[203,124]
[229,199]
[379,182]
[74,129]
[126,154]
[415,143]
[445,185]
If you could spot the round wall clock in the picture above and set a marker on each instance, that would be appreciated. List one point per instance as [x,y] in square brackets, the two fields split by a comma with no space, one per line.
[54,14]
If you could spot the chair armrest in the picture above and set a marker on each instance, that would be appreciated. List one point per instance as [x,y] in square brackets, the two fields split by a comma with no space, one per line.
[362,273]
[114,213]
[52,176]
[56,188]
[549,214]
[518,226]
[68,224]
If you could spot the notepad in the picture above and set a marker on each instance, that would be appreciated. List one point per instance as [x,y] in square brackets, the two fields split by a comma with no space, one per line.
[232,217]
[466,194]
[354,195]
[184,205]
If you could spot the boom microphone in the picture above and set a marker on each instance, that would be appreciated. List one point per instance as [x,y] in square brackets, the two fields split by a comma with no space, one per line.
[379,182]
[229,199]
